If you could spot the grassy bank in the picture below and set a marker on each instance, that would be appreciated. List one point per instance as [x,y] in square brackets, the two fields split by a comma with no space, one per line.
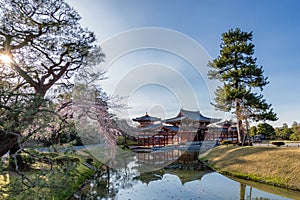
[60,182]
[277,166]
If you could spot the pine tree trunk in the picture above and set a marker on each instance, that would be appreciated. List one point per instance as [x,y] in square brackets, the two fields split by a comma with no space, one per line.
[239,121]
[7,141]
[239,131]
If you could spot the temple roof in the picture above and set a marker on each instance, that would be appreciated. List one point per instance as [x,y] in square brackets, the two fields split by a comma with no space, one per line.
[146,118]
[171,128]
[192,116]
[158,127]
[151,127]
[226,123]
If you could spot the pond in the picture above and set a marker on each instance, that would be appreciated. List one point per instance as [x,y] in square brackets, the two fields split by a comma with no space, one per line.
[164,175]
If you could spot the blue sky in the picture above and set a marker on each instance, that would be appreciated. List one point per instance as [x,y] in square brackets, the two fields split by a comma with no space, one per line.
[276,30]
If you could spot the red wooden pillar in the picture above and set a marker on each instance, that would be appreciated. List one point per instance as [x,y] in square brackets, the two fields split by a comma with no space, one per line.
[153,141]
[172,139]
[167,139]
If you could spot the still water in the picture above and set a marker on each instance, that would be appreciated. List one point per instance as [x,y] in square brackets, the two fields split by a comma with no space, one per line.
[164,175]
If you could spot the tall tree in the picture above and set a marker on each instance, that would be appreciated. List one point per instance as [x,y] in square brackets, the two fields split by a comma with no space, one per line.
[284,133]
[295,136]
[266,130]
[47,46]
[236,68]
[253,131]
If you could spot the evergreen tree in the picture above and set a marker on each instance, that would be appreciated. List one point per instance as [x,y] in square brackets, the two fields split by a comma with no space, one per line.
[284,133]
[236,68]
[266,130]
[295,136]
[253,131]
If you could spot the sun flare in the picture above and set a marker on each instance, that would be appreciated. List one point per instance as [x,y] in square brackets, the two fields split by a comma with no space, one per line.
[5,59]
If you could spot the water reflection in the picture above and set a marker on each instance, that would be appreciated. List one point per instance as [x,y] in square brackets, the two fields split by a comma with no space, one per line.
[184,178]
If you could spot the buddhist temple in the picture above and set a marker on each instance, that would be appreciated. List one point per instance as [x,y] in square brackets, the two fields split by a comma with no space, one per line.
[228,132]
[193,125]
[187,126]
[221,131]
[146,120]
[151,131]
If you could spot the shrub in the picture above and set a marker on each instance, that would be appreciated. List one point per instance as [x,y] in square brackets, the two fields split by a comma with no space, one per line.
[245,144]
[226,142]
[89,160]
[120,140]
[50,154]
[1,166]
[125,141]
[43,154]
[278,143]
[66,160]
[295,137]
[24,161]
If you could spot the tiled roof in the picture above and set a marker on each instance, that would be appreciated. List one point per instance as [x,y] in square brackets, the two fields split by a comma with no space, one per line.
[171,128]
[158,127]
[191,115]
[146,118]
[226,123]
[151,127]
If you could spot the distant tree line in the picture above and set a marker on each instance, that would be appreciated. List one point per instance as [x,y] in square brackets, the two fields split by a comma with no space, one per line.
[284,132]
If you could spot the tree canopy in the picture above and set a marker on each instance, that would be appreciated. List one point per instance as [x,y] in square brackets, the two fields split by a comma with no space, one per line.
[253,131]
[236,68]
[288,133]
[46,45]
[47,67]
[266,130]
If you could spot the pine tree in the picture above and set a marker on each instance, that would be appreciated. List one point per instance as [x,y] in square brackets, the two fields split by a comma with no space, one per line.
[236,68]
